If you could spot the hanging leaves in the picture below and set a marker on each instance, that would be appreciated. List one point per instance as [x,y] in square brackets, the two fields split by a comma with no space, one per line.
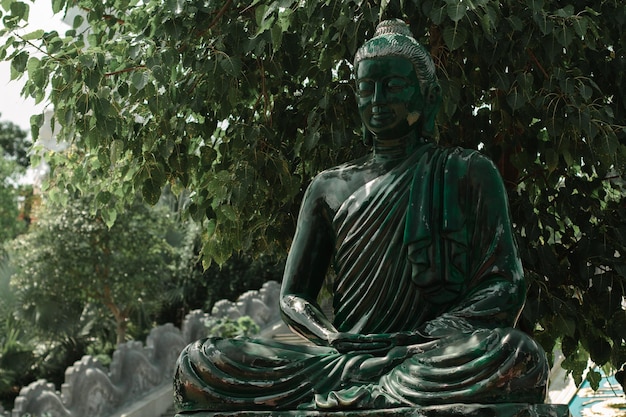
[456,10]
[454,36]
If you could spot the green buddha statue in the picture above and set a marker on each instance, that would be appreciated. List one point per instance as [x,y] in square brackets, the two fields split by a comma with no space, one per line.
[428,284]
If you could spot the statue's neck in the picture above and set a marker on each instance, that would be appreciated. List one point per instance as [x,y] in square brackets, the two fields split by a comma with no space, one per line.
[396,149]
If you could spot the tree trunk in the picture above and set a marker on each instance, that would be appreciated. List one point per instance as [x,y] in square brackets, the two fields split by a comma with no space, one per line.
[120,329]
[120,315]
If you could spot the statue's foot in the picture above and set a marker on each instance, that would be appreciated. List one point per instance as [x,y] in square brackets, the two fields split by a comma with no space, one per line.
[359,397]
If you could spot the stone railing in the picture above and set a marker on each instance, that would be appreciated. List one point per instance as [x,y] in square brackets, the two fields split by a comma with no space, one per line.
[137,371]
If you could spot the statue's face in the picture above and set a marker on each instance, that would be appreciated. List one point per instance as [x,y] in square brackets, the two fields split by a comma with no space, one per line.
[388,96]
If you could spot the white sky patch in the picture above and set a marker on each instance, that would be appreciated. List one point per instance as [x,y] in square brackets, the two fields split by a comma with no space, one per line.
[13,107]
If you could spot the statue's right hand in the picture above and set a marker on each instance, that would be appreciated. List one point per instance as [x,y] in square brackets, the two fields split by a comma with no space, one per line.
[375,344]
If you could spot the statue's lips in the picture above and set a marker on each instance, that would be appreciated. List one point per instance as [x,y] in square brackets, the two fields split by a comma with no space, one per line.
[382,117]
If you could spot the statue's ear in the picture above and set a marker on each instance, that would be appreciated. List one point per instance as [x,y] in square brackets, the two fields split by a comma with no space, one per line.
[433,95]
[367,136]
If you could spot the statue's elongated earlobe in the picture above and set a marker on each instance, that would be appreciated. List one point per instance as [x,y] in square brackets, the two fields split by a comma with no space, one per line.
[368,140]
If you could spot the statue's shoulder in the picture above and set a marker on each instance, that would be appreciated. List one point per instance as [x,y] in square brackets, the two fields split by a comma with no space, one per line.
[347,168]
[478,168]
[333,185]
[472,160]
[465,154]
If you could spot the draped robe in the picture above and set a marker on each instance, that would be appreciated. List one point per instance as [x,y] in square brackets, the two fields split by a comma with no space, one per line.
[425,247]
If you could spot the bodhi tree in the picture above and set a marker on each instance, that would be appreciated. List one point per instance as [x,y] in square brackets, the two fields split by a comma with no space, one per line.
[14,143]
[10,224]
[71,266]
[14,147]
[240,103]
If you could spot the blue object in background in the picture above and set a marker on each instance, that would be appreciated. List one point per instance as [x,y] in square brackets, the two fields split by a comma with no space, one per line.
[608,401]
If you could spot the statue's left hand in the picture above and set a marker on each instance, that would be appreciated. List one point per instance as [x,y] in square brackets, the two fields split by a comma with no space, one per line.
[375,344]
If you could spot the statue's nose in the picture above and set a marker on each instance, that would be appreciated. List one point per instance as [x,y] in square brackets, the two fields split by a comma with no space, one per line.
[379,94]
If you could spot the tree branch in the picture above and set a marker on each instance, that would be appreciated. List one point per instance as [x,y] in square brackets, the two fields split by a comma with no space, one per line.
[536,61]
[217,17]
[105,16]
[108,74]
[219,14]
[38,48]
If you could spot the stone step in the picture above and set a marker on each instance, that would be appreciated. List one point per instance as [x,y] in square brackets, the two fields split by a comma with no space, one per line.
[171,412]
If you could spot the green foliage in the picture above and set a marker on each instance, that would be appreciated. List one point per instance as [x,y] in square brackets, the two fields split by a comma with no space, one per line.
[14,143]
[78,288]
[228,328]
[239,274]
[13,161]
[240,103]
[197,288]
[10,223]
[73,272]
[17,359]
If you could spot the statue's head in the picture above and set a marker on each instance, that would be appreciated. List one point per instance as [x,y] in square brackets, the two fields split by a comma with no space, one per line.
[393,67]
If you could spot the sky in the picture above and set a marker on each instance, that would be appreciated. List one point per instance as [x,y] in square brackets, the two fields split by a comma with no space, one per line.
[13,107]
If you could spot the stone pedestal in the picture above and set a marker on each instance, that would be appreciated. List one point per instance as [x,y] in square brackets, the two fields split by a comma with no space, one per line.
[448,410]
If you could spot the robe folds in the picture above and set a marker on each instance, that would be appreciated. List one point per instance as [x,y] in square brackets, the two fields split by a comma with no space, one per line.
[427,248]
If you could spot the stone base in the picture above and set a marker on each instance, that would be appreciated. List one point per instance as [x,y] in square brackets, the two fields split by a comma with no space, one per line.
[448,410]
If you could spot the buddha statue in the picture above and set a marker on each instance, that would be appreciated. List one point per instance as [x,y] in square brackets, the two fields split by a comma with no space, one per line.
[427,286]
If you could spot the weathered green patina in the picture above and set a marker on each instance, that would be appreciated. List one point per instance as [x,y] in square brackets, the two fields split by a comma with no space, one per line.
[428,285]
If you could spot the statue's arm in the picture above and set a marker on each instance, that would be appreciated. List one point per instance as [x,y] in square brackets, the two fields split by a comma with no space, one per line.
[308,260]
[496,287]
[305,270]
